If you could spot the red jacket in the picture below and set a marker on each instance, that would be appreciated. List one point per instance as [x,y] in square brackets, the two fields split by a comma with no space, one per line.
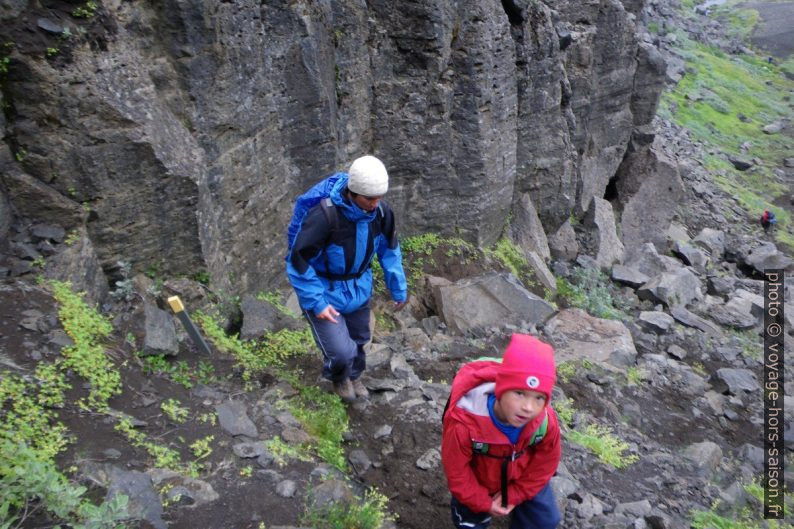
[472,478]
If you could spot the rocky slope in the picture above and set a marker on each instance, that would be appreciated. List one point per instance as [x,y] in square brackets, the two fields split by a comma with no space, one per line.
[667,355]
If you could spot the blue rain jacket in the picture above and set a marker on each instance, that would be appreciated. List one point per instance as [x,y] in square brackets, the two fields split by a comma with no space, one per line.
[345,250]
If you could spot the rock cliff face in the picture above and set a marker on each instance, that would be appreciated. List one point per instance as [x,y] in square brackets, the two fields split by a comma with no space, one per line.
[187,128]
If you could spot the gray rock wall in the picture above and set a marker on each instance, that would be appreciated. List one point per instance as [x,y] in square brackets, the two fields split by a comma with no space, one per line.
[187,128]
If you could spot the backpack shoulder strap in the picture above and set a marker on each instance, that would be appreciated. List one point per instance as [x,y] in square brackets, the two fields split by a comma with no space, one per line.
[329,210]
[540,433]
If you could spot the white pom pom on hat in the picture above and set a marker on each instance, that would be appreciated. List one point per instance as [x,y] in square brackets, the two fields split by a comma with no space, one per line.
[367,176]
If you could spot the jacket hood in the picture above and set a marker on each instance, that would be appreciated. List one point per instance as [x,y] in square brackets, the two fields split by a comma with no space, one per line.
[349,209]
[468,401]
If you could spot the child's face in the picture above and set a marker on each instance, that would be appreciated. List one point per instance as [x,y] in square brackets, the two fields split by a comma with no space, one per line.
[517,407]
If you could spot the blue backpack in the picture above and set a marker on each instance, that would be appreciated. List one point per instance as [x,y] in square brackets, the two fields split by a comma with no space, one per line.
[307,201]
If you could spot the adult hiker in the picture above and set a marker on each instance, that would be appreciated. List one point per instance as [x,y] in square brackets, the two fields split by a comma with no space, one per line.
[768,219]
[328,265]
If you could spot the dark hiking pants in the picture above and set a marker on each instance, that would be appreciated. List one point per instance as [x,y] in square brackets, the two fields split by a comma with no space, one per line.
[342,343]
[538,513]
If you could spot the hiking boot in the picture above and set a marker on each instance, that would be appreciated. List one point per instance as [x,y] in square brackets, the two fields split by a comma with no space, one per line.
[345,390]
[359,388]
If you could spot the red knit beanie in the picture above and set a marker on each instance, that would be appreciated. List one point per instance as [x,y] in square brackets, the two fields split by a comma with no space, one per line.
[527,363]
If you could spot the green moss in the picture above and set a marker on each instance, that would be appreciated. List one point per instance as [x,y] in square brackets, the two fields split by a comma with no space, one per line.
[369,513]
[323,416]
[603,443]
[28,482]
[588,290]
[709,101]
[512,258]
[256,356]
[87,357]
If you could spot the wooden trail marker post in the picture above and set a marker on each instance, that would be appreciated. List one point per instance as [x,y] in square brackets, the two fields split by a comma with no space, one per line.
[187,323]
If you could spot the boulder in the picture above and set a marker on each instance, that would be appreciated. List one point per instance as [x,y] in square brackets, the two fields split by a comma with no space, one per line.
[198,491]
[647,260]
[233,417]
[49,232]
[485,301]
[578,335]
[734,314]
[563,243]
[773,128]
[720,286]
[143,500]
[261,317]
[734,381]
[628,276]
[767,257]
[649,189]
[656,322]
[160,332]
[527,231]
[607,246]
[542,272]
[78,263]
[691,256]
[739,163]
[684,317]
[705,456]
[679,287]
[711,240]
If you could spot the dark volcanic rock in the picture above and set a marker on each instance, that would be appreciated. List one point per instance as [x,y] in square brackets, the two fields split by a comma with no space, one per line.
[184,143]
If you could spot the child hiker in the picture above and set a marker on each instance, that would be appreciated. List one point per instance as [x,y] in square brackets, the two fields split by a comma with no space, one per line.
[501,439]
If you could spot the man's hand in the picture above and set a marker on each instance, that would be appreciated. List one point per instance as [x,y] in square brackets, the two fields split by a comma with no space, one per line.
[329,314]
[496,506]
[398,305]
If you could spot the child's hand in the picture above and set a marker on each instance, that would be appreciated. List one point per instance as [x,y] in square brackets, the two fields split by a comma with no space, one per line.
[496,506]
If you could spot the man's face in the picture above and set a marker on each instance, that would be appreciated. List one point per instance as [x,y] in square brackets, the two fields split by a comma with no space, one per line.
[368,204]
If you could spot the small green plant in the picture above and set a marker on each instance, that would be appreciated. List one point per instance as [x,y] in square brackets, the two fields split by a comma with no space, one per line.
[512,258]
[255,357]
[164,457]
[635,375]
[246,471]
[52,51]
[566,371]
[174,411]
[73,237]
[602,442]
[282,452]
[369,513]
[565,411]
[587,290]
[202,448]
[4,62]
[208,418]
[179,372]
[750,342]
[87,10]
[324,417]
[29,483]
[699,368]
[39,262]
[274,298]
[86,357]
[20,155]
[27,410]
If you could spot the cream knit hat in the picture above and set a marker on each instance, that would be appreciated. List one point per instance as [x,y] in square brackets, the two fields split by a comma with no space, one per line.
[367,176]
